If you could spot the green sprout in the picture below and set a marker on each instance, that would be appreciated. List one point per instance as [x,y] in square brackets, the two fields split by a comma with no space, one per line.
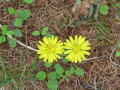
[104,9]
[11,10]
[36,33]
[28,1]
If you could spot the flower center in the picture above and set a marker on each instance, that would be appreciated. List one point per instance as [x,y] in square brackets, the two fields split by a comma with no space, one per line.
[77,48]
[50,49]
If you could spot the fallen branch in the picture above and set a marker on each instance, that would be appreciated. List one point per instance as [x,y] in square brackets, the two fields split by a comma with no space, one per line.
[22,43]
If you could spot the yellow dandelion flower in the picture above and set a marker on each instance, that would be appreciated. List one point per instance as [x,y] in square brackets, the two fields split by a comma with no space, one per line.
[76,49]
[50,49]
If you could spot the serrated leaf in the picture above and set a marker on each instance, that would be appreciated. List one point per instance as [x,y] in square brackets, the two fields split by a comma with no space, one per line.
[48,65]
[79,72]
[12,43]
[23,14]
[41,76]
[118,53]
[59,70]
[28,1]
[36,33]
[11,10]
[52,84]
[18,22]
[104,9]
[52,75]
[17,33]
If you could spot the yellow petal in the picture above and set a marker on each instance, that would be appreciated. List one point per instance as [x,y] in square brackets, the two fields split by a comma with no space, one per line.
[86,53]
[76,38]
[71,39]
[55,41]
[45,39]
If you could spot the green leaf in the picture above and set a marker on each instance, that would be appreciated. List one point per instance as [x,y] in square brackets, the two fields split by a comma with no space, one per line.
[12,43]
[10,32]
[28,1]
[59,76]
[118,4]
[4,29]
[49,35]
[65,60]
[59,71]
[48,65]
[70,72]
[7,0]
[57,66]
[52,84]
[77,1]
[18,22]
[63,54]
[118,53]
[4,32]
[79,72]
[43,33]
[119,45]
[2,39]
[104,9]
[44,30]
[41,76]
[11,10]
[23,14]
[17,33]
[52,75]
[67,79]
[36,33]
[72,69]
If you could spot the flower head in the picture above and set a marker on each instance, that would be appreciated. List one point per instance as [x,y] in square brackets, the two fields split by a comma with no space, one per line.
[50,49]
[76,49]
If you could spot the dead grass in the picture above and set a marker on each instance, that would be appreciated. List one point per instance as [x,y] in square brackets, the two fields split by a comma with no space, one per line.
[49,13]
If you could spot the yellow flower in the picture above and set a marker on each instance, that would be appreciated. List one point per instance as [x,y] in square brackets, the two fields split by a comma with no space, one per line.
[50,49]
[76,49]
